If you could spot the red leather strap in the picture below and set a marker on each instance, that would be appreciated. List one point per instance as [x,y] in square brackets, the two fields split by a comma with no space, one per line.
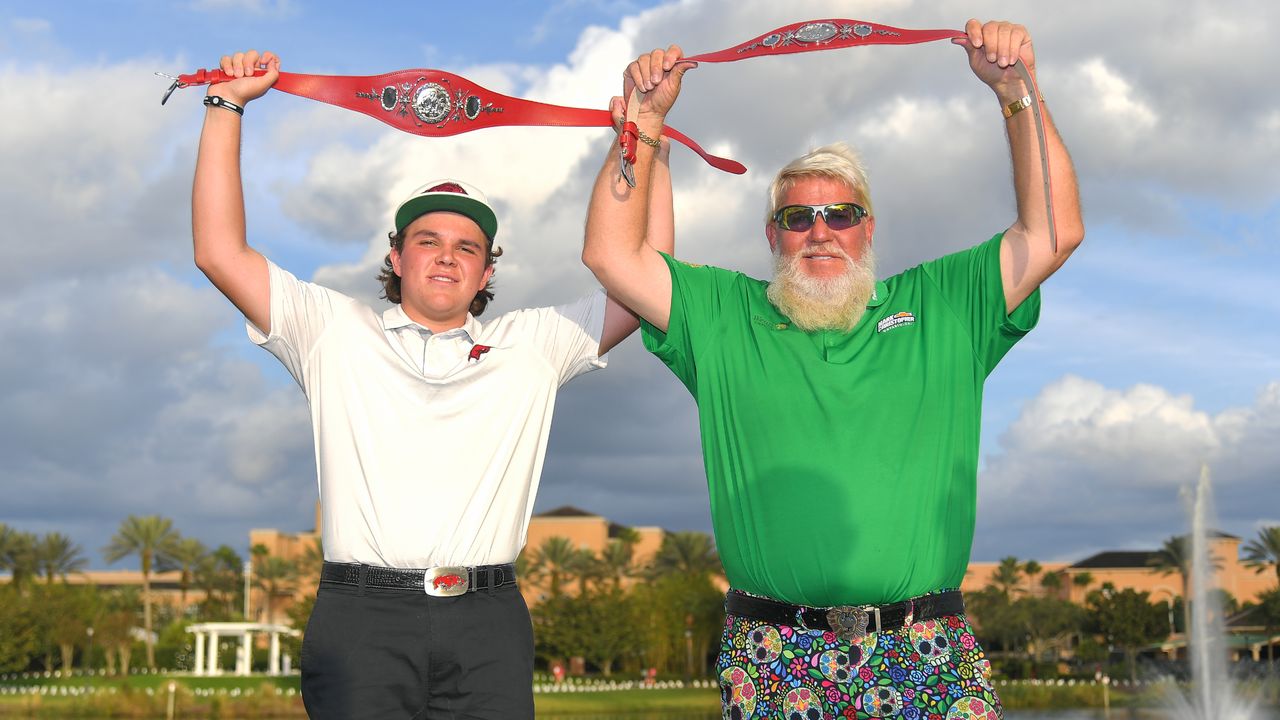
[823,35]
[833,34]
[435,103]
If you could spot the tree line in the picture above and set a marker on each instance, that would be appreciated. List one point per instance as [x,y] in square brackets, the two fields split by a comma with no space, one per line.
[604,611]
[1028,627]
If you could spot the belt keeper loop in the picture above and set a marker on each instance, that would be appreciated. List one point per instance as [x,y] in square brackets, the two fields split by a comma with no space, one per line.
[493,576]
[627,140]
[876,609]
[364,576]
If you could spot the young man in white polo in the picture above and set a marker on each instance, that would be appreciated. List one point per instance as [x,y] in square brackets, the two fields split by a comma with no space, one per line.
[430,430]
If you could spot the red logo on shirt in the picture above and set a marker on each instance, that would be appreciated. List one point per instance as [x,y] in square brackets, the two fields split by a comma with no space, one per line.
[477,351]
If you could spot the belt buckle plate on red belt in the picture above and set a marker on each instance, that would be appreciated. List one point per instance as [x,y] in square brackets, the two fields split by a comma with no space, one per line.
[446,581]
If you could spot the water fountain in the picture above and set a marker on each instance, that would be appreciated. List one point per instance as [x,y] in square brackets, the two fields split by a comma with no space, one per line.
[1212,695]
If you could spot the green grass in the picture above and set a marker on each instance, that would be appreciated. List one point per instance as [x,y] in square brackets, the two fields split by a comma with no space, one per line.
[694,701]
[146,696]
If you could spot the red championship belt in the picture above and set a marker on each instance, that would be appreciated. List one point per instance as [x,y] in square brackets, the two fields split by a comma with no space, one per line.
[435,103]
[824,35]
[834,34]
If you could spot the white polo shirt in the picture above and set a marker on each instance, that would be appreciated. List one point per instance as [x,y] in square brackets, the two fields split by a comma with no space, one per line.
[427,453]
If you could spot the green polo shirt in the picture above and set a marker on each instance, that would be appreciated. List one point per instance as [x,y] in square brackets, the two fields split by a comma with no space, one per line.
[842,467]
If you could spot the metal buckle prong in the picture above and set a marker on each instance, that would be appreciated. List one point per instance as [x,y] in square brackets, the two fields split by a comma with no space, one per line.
[176,84]
[626,173]
[446,580]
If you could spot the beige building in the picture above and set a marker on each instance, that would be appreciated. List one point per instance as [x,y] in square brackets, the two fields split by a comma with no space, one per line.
[583,530]
[586,530]
[1134,569]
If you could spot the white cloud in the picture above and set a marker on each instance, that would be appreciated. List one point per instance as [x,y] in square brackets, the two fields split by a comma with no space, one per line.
[89,188]
[127,374]
[1116,98]
[1087,468]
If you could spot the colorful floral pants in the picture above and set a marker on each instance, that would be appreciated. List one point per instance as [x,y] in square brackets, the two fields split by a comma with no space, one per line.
[933,670]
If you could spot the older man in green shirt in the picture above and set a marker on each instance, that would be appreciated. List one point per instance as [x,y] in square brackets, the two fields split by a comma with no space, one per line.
[840,414]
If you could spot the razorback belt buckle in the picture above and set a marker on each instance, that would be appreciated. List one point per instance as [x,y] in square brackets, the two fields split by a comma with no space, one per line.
[446,581]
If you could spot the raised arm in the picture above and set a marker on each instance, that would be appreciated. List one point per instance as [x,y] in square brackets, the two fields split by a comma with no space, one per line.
[217,195]
[1026,258]
[627,227]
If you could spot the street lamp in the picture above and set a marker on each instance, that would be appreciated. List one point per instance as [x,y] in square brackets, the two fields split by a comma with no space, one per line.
[688,646]
[248,575]
[88,656]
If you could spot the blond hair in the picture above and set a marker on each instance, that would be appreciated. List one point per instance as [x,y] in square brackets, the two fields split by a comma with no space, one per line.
[837,161]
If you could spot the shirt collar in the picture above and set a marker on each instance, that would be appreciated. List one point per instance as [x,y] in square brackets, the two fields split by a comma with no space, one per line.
[394,318]
[879,295]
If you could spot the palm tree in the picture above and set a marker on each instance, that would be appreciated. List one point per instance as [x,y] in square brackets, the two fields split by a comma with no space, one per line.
[151,538]
[615,561]
[586,566]
[1082,580]
[1031,568]
[187,554]
[113,628]
[1264,551]
[553,560]
[312,561]
[56,554]
[6,539]
[17,555]
[275,576]
[1007,577]
[687,553]
[524,566]
[1176,555]
[219,575]
[1052,583]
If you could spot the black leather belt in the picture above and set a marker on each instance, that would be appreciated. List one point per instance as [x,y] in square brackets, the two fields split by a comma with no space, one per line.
[444,581]
[850,622]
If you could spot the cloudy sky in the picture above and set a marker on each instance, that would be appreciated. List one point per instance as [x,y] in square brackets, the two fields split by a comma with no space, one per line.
[127,385]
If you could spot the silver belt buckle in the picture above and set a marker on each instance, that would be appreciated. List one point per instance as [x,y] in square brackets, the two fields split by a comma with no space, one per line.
[850,622]
[446,581]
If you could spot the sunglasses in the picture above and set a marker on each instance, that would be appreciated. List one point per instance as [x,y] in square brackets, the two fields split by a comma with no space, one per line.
[837,216]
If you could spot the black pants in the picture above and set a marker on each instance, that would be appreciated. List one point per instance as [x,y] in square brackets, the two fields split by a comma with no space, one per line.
[372,653]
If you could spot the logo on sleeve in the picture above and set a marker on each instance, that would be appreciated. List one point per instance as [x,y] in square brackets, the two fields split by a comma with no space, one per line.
[896,320]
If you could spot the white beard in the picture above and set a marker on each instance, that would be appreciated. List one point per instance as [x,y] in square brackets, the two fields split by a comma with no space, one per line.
[835,303]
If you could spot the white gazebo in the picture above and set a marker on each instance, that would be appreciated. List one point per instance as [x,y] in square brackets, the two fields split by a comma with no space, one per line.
[208,635]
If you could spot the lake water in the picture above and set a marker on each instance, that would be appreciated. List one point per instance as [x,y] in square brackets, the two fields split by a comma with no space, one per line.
[1116,714]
